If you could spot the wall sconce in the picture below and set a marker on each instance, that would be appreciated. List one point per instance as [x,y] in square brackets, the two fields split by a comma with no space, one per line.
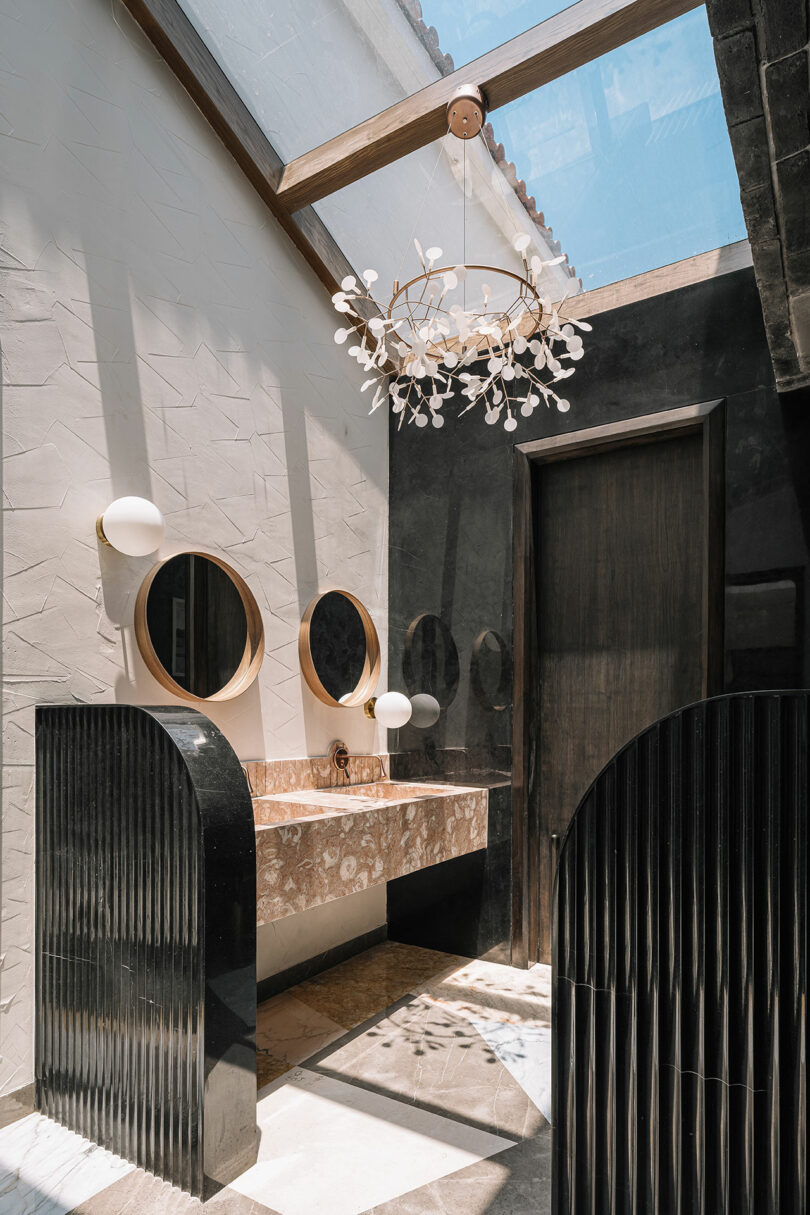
[133,526]
[391,710]
[425,710]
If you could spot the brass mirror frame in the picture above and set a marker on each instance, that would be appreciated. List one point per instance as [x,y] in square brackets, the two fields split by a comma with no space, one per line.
[371,667]
[251,659]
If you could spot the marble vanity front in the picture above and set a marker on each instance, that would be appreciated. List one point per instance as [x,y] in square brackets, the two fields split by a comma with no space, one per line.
[318,844]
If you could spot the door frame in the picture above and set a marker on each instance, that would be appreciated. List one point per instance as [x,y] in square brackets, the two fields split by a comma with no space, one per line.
[706,419]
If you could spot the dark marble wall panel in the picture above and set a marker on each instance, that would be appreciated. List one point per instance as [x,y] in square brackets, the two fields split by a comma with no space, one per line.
[451,545]
[680,975]
[146,939]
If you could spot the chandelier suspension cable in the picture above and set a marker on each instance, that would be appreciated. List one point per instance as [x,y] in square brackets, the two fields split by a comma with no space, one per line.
[409,243]
[464,224]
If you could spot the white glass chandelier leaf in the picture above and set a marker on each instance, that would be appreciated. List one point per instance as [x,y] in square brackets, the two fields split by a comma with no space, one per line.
[507,350]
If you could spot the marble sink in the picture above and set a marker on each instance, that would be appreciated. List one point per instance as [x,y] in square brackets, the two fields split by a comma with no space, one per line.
[319,844]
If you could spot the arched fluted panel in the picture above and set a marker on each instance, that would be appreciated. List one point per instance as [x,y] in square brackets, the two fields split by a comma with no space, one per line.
[146,939]
[680,970]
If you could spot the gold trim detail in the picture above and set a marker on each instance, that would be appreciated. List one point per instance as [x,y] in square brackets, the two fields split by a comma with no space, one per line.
[253,654]
[371,667]
[100,530]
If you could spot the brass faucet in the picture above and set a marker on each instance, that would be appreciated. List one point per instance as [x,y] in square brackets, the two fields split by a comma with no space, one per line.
[339,755]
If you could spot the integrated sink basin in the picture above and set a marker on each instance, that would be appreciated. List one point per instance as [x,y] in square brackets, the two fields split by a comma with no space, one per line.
[320,844]
[342,799]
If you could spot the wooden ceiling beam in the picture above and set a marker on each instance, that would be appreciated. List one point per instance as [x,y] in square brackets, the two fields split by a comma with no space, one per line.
[561,44]
[661,280]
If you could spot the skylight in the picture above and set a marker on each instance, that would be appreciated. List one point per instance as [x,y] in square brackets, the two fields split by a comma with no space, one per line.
[467,31]
[628,158]
[309,70]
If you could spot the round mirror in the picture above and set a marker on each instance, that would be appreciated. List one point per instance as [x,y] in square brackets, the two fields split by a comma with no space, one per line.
[339,650]
[430,661]
[491,670]
[199,628]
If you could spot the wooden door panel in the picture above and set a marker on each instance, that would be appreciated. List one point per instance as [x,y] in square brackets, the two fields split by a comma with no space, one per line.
[620,572]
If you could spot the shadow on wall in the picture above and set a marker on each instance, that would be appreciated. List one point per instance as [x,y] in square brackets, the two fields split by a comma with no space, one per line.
[122,407]
[320,720]
[130,473]
[239,719]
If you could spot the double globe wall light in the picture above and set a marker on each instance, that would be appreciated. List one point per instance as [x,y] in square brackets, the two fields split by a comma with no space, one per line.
[394,709]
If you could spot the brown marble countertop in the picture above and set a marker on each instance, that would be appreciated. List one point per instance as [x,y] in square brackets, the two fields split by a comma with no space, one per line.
[320,844]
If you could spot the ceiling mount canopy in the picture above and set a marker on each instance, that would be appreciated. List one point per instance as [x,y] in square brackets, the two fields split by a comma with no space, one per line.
[466,112]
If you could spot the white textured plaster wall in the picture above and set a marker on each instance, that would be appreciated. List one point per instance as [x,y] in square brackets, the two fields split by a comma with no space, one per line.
[159,336]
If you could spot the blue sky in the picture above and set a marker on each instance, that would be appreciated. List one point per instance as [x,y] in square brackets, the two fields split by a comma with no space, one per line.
[628,157]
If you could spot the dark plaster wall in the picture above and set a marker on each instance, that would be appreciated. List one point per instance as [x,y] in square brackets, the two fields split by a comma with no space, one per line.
[451,552]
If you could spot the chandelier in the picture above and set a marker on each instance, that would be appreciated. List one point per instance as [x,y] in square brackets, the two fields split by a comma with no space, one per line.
[507,350]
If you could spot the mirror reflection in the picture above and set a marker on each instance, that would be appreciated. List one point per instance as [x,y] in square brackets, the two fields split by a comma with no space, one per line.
[193,626]
[430,662]
[339,649]
[491,670]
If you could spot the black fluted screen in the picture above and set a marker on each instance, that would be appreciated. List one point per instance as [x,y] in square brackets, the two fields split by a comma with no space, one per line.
[146,939]
[680,970]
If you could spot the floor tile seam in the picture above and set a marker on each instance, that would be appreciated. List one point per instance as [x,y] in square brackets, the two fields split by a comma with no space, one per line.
[320,981]
[319,1041]
[284,998]
[356,1031]
[313,1008]
[489,1128]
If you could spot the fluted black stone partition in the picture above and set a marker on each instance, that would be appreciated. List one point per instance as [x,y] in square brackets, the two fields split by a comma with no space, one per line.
[680,970]
[146,939]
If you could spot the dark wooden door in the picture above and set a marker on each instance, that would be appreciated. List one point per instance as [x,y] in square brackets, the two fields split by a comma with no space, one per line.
[620,602]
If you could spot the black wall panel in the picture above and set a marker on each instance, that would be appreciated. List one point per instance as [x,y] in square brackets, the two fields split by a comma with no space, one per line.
[451,542]
[146,939]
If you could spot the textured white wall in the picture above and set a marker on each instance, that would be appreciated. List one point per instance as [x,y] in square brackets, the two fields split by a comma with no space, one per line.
[159,336]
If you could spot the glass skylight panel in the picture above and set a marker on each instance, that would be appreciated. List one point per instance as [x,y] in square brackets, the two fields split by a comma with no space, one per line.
[470,29]
[628,158]
[311,69]
[626,162]
[421,197]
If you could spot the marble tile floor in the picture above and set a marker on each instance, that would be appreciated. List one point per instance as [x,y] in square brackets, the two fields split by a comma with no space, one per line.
[45,1169]
[401,1082]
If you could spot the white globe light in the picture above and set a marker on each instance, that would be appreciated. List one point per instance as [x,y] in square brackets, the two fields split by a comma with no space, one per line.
[132,525]
[392,710]
[425,710]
